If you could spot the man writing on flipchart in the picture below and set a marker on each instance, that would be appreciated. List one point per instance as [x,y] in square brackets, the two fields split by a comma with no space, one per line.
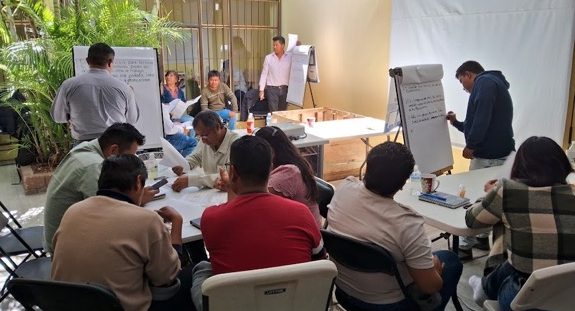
[487,127]
[275,76]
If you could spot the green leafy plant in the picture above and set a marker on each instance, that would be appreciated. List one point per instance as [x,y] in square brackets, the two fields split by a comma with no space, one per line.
[37,67]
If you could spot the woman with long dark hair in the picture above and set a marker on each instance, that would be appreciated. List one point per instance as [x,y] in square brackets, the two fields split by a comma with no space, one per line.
[532,218]
[292,176]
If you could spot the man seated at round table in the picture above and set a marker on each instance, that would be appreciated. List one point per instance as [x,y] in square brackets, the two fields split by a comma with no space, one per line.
[365,210]
[212,152]
[254,229]
[110,240]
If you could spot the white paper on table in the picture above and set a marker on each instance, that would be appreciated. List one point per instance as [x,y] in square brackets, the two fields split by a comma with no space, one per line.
[172,157]
[292,41]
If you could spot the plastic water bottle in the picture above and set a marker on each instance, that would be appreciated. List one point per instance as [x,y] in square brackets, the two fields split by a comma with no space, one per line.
[415,181]
[269,119]
[571,152]
[250,126]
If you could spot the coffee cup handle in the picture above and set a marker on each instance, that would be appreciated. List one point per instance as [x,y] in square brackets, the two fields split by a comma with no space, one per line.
[435,188]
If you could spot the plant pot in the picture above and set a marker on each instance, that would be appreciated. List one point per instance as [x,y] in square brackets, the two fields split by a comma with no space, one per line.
[35,177]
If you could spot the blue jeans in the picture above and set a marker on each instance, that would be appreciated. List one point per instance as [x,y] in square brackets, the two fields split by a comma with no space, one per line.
[186,118]
[184,144]
[503,284]
[451,274]
[225,115]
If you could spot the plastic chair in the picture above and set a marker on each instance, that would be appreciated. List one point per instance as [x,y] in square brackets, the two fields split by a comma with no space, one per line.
[549,288]
[303,287]
[325,194]
[365,257]
[63,296]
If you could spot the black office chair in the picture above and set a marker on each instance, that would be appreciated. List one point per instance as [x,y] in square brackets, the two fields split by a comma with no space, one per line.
[63,296]
[369,258]
[361,256]
[325,194]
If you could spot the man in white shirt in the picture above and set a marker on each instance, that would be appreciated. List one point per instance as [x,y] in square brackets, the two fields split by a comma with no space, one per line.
[93,101]
[275,76]
[211,153]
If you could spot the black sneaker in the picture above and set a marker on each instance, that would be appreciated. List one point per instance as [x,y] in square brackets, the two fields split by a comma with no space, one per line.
[482,244]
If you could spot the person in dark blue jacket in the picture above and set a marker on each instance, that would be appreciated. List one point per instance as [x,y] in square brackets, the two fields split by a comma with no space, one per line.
[488,123]
[487,127]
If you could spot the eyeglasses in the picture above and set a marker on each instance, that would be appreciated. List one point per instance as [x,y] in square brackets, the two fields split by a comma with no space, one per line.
[204,136]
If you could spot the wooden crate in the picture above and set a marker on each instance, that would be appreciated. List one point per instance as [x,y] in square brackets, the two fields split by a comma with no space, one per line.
[342,158]
[320,115]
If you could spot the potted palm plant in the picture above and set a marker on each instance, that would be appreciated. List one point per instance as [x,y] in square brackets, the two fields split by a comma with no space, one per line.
[37,66]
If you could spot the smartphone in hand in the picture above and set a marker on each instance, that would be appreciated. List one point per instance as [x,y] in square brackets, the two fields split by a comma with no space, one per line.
[160,183]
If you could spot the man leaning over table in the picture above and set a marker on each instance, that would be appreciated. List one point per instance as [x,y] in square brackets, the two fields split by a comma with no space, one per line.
[76,177]
[94,244]
[212,151]
[254,229]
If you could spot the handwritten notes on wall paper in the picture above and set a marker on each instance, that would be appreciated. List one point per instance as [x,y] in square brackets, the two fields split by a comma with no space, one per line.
[135,70]
[424,102]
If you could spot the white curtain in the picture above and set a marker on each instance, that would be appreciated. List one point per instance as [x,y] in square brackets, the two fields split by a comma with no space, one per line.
[530,41]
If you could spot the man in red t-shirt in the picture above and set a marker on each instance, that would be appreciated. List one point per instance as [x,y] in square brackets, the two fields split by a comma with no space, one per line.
[254,229]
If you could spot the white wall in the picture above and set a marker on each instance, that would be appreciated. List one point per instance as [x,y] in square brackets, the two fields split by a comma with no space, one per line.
[530,41]
[352,45]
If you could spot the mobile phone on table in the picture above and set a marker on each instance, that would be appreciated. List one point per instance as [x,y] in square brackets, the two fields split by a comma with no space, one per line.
[160,183]
[196,222]
[159,197]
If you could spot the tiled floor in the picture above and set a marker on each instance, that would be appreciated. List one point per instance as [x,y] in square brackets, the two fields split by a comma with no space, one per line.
[29,210]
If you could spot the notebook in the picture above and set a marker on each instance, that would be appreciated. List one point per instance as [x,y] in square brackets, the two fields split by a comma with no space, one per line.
[444,199]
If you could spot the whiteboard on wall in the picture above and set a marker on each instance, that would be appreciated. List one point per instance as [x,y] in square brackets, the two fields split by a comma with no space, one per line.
[138,67]
[304,68]
[422,108]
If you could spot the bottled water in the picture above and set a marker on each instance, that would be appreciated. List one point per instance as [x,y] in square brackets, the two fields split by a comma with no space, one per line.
[415,181]
[571,152]
[269,119]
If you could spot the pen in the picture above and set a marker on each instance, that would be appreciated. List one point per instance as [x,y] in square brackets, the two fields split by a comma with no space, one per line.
[432,196]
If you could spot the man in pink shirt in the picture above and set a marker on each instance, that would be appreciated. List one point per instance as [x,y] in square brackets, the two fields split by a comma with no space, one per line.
[275,76]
